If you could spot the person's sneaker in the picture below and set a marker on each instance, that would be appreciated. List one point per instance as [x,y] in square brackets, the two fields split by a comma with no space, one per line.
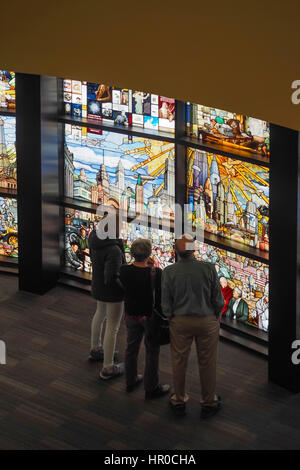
[160,391]
[208,411]
[97,355]
[132,387]
[118,369]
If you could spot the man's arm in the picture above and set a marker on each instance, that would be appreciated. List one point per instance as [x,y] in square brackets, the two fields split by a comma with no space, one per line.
[166,295]
[259,307]
[245,311]
[73,260]
[217,298]
[229,312]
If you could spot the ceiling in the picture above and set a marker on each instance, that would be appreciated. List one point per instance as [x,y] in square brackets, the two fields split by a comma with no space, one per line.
[234,55]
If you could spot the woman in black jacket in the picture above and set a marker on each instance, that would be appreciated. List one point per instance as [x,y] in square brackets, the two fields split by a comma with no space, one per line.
[107,256]
[138,280]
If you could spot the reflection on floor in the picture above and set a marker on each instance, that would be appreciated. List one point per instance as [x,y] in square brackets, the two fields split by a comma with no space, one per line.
[50,397]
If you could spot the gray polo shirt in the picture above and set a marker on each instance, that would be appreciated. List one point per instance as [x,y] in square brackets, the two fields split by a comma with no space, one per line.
[191,287]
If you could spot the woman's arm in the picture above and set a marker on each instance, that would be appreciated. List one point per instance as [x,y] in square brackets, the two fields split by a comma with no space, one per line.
[113,263]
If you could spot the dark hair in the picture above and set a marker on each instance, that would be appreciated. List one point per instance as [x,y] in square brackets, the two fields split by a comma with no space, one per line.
[141,249]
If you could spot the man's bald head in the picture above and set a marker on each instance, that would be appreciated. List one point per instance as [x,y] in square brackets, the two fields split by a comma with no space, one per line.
[185,246]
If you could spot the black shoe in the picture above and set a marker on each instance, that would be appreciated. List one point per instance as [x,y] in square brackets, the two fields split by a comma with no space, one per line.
[158,392]
[177,408]
[138,381]
[210,410]
[98,355]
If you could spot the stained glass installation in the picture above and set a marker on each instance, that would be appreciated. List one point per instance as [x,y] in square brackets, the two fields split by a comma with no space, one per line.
[8,163]
[123,107]
[7,90]
[134,174]
[229,197]
[79,224]
[162,241]
[236,131]
[244,284]
[8,227]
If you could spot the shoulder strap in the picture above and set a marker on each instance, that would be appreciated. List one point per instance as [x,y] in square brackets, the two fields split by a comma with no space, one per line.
[153,273]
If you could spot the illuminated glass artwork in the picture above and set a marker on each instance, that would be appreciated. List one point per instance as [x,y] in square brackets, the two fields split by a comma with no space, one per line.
[79,224]
[162,241]
[134,174]
[8,164]
[233,130]
[7,90]
[244,283]
[120,106]
[229,197]
[8,227]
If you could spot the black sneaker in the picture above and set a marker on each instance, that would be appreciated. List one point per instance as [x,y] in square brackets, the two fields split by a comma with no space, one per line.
[208,411]
[118,370]
[98,355]
[138,381]
[158,392]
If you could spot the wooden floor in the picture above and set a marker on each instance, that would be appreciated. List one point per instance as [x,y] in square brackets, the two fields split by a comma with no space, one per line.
[51,398]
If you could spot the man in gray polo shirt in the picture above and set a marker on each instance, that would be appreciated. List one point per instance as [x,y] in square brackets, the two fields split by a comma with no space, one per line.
[192,299]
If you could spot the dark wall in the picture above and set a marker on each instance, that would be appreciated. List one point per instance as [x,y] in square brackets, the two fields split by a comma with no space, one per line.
[284,259]
[38,182]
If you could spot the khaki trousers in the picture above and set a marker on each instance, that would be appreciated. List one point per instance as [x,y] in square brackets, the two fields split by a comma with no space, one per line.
[205,330]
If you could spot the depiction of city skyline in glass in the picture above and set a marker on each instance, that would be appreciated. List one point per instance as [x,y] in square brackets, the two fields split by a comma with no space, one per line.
[134,174]
[79,224]
[244,284]
[228,197]
[233,130]
[123,107]
[8,227]
[8,163]
[7,90]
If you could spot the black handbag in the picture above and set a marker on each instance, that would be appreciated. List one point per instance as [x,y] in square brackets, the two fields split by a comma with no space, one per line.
[161,327]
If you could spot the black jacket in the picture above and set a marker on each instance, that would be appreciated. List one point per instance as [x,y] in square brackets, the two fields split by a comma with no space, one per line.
[107,257]
[138,290]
